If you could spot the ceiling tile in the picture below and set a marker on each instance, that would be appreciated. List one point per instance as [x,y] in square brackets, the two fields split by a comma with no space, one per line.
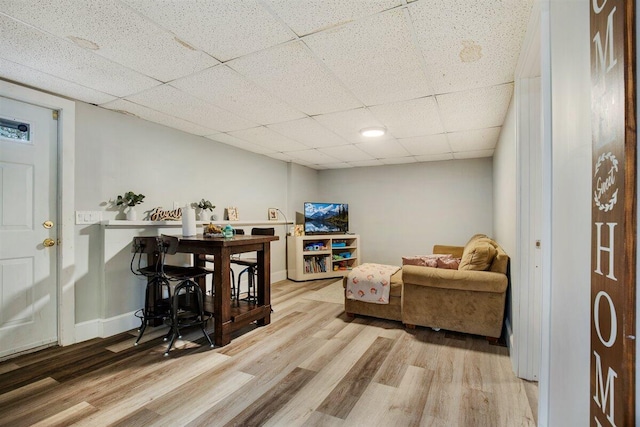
[308,16]
[435,157]
[339,165]
[309,132]
[470,44]
[410,118]
[399,160]
[312,156]
[35,49]
[173,102]
[225,29]
[474,140]
[348,124]
[145,113]
[225,88]
[386,70]
[109,28]
[281,156]
[347,153]
[239,143]
[268,138]
[292,73]
[473,154]
[366,163]
[476,108]
[383,149]
[426,145]
[25,75]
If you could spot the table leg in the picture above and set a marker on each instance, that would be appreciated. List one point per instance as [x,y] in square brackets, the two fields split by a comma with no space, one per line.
[221,298]
[264,281]
[150,303]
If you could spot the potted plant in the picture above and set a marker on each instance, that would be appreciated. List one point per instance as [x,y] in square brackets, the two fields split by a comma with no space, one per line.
[130,200]
[204,206]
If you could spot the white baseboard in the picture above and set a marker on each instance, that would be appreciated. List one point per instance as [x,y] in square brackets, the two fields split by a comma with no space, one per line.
[103,328]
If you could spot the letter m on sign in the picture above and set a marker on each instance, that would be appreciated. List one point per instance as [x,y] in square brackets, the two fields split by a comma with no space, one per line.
[602,57]
[605,392]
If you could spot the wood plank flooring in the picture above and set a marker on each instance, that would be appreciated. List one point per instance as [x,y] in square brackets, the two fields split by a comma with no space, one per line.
[311,366]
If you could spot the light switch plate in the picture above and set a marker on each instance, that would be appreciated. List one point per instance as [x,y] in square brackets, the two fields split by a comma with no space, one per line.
[88,217]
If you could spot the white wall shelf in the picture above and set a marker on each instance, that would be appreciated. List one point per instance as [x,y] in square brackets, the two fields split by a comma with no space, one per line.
[125,223]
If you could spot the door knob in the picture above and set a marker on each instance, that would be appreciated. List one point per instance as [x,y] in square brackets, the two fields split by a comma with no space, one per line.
[48,242]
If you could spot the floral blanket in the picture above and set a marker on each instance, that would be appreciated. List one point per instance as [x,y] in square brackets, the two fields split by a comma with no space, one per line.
[370,283]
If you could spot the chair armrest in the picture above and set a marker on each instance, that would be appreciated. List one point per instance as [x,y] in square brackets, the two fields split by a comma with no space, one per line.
[456,251]
[464,280]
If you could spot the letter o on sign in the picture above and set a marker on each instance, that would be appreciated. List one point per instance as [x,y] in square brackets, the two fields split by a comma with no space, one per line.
[596,318]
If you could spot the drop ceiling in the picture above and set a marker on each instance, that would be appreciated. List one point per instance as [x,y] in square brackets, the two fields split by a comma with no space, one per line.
[290,79]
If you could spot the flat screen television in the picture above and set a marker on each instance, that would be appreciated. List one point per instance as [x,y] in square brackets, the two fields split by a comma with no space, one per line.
[326,218]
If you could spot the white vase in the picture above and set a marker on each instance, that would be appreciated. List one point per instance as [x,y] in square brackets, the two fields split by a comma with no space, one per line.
[132,215]
[203,216]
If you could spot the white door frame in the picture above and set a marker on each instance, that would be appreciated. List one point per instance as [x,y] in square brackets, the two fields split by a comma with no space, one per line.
[526,295]
[66,189]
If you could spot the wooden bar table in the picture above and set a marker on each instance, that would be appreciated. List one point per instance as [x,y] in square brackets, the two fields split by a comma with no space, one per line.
[229,315]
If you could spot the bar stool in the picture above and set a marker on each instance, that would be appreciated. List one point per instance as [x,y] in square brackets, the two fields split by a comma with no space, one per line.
[160,305]
[251,265]
[157,298]
[187,303]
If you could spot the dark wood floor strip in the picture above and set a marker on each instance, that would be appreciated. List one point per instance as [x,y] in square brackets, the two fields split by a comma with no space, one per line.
[274,399]
[347,393]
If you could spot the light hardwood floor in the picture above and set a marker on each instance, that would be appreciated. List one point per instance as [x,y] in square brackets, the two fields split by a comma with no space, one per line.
[311,366]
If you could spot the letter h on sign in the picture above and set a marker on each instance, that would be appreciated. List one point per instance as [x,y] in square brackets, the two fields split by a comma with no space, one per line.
[600,248]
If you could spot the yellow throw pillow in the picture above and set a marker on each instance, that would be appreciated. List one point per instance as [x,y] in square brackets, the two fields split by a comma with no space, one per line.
[478,255]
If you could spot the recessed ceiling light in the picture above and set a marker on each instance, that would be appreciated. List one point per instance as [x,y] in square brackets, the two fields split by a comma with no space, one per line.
[372,132]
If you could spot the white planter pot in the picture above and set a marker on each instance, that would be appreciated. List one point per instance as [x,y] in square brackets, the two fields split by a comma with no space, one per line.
[132,215]
[203,215]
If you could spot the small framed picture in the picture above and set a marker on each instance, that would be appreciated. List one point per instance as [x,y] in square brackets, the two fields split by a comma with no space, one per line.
[232,213]
[273,214]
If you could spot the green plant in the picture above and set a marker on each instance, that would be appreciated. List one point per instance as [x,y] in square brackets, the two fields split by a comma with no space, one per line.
[204,205]
[129,199]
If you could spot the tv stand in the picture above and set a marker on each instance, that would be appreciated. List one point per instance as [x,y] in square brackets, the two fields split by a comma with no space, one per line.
[322,256]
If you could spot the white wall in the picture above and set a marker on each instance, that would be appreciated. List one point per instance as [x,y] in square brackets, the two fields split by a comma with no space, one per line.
[303,187]
[569,304]
[116,153]
[505,207]
[504,185]
[406,209]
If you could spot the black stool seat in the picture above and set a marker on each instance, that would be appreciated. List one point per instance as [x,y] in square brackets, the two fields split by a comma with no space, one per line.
[187,310]
[179,309]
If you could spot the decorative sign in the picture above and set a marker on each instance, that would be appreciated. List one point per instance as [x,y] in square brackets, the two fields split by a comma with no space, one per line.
[613,213]
[158,214]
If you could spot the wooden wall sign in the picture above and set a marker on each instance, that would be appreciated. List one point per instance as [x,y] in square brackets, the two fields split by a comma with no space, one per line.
[613,213]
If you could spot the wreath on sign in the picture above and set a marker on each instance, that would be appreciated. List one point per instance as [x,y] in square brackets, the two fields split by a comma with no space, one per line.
[614,197]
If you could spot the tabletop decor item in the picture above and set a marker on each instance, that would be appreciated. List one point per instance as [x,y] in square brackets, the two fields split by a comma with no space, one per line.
[204,206]
[188,221]
[212,230]
[130,200]
[232,213]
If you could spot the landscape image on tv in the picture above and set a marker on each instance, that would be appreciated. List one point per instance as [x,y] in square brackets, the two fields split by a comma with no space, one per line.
[326,218]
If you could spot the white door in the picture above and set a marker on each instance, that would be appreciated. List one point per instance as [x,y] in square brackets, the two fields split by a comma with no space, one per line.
[28,177]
